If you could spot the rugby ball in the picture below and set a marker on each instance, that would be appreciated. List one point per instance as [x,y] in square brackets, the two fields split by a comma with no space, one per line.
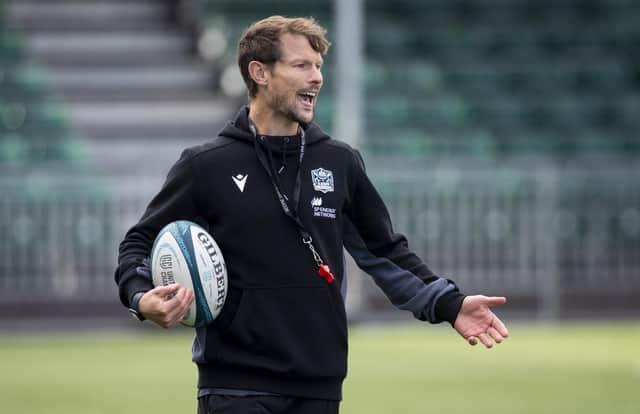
[185,253]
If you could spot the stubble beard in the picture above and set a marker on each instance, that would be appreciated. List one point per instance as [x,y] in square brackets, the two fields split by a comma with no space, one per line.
[281,105]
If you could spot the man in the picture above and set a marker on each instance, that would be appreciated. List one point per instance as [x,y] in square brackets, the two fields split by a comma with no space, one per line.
[281,199]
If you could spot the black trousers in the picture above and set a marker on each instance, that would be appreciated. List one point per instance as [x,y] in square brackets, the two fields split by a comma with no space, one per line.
[264,404]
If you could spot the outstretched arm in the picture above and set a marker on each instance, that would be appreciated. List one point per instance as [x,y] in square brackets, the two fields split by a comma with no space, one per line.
[405,278]
[476,321]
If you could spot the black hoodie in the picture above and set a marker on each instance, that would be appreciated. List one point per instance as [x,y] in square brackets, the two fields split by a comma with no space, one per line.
[283,327]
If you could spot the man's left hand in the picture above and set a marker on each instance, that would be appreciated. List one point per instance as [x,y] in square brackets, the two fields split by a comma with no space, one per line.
[476,321]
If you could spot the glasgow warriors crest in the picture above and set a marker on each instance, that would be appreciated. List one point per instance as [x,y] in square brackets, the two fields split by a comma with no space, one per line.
[322,180]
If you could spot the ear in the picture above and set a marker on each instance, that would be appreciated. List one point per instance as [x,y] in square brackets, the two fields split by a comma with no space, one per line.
[259,72]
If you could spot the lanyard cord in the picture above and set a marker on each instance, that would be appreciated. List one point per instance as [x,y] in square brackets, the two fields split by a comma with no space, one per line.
[290,207]
[291,210]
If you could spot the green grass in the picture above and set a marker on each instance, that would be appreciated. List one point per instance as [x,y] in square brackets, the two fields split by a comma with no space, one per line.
[589,368]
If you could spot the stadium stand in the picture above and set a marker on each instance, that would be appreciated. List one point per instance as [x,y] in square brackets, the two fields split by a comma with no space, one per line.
[34,126]
[539,78]
[502,133]
[488,79]
[126,73]
[42,161]
[494,81]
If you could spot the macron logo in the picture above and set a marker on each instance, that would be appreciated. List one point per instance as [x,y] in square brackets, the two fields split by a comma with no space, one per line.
[316,202]
[240,180]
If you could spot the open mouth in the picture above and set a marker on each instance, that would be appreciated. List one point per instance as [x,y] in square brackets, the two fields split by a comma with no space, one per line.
[308,98]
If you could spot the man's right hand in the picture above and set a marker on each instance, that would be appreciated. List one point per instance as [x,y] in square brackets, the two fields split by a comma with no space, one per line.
[166,305]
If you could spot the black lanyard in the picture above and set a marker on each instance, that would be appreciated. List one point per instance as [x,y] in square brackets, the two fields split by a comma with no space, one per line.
[290,207]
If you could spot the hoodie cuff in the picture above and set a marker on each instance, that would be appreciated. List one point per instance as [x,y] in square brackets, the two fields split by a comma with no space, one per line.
[448,306]
[132,287]
[137,278]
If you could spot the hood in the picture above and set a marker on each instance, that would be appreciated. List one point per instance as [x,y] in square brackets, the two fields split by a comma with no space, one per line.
[239,129]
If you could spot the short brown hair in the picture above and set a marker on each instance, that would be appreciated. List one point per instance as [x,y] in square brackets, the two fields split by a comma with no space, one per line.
[261,42]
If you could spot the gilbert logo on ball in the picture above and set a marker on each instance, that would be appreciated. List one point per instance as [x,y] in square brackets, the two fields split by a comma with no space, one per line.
[185,253]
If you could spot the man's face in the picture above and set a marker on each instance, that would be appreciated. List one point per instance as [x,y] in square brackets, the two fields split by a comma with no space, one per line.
[295,80]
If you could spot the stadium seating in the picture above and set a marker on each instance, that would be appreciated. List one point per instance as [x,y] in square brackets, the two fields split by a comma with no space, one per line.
[544,78]
[473,81]
[486,79]
[547,78]
[34,127]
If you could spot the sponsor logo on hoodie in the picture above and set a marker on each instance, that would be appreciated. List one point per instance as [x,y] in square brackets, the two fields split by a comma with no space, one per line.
[319,211]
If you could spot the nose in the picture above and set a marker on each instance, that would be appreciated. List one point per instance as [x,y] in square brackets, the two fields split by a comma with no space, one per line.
[316,75]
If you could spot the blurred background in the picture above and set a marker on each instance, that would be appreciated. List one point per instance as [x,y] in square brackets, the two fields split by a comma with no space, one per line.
[504,136]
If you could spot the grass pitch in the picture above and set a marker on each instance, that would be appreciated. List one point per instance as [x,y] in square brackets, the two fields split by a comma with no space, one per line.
[586,368]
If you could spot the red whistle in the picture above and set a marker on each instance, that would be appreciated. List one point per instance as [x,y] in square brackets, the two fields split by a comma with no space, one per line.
[325,273]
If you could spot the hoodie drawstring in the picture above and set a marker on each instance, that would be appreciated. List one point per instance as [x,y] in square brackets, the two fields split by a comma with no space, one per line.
[283,164]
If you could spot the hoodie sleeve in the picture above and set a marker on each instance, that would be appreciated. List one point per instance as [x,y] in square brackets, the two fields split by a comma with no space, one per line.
[174,201]
[404,278]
